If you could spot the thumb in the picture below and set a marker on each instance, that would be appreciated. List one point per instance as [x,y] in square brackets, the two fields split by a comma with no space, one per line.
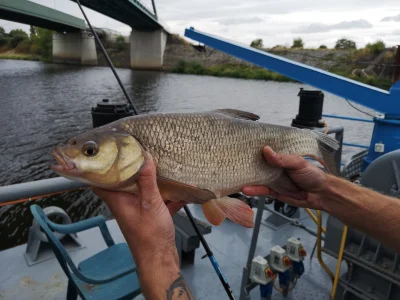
[147,181]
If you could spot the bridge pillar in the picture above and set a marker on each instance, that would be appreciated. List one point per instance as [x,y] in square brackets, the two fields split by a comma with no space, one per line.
[74,48]
[147,49]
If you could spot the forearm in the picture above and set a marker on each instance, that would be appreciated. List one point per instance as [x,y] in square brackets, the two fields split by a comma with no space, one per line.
[157,263]
[364,209]
[160,277]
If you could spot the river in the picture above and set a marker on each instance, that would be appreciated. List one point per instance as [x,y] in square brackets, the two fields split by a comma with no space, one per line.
[43,104]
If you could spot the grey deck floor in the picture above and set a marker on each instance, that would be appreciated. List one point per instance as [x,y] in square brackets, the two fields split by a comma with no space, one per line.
[229,242]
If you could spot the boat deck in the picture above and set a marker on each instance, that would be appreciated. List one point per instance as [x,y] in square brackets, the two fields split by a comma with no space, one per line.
[229,242]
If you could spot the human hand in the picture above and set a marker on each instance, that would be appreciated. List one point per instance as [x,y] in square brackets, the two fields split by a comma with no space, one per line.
[146,223]
[145,220]
[309,178]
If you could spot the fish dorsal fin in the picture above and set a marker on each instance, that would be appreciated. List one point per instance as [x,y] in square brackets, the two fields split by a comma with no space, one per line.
[238,114]
[177,191]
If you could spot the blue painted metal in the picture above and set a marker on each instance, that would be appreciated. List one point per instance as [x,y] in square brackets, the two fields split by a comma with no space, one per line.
[369,96]
[355,145]
[386,129]
[109,274]
[347,118]
[386,132]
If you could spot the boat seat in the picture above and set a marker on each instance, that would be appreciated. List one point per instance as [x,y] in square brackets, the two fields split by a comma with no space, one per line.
[108,274]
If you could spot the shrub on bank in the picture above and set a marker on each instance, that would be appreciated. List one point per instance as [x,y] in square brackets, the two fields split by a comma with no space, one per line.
[233,71]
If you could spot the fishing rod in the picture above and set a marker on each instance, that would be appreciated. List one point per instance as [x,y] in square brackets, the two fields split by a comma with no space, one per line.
[210,255]
[103,50]
[188,213]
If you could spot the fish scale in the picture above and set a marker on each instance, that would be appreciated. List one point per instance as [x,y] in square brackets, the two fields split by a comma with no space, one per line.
[217,151]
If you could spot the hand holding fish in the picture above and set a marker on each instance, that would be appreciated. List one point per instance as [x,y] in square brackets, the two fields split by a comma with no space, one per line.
[146,223]
[308,178]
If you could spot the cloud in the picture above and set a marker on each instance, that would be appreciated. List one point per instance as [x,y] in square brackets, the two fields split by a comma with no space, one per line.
[396,32]
[238,21]
[319,27]
[391,18]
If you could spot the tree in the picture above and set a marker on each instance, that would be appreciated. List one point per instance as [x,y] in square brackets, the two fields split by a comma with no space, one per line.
[120,43]
[257,43]
[376,47]
[16,36]
[3,37]
[345,44]
[323,47]
[43,42]
[298,43]
[32,33]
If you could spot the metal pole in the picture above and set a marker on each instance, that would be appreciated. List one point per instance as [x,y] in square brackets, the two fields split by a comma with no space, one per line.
[154,8]
[108,59]
[244,294]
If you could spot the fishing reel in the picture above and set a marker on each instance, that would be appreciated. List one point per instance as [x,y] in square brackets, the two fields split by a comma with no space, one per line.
[285,209]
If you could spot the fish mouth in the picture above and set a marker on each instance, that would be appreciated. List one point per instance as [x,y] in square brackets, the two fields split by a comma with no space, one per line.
[64,163]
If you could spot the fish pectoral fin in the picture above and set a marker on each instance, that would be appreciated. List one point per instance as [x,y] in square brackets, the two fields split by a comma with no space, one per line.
[238,114]
[178,191]
[237,211]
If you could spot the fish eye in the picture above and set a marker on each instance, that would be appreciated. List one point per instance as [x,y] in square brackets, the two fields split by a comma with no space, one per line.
[90,149]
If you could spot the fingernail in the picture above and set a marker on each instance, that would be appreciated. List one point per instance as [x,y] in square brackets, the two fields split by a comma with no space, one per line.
[272,151]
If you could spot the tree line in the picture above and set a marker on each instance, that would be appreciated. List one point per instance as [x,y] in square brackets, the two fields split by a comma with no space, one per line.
[341,44]
[39,41]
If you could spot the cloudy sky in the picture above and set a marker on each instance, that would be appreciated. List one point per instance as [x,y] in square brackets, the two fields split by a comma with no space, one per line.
[275,21]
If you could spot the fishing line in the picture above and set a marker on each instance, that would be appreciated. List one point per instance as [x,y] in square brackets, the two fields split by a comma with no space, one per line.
[188,213]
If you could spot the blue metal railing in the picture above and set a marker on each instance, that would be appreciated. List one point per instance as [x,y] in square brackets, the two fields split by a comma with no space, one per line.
[350,119]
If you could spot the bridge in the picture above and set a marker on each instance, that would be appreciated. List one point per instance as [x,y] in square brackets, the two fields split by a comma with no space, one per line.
[73,43]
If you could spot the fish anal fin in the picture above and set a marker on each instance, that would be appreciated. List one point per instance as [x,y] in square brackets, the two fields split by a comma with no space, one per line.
[213,212]
[181,192]
[237,211]
[238,114]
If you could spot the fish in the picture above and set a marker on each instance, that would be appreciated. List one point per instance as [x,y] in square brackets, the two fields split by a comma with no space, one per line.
[201,157]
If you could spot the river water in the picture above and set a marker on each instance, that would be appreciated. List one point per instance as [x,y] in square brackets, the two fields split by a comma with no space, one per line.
[44,104]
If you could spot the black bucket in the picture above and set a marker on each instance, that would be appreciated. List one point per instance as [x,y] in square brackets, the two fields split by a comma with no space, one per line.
[310,109]
[106,112]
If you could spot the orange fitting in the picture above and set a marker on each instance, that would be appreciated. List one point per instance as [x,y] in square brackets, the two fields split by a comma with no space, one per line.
[302,252]
[269,273]
[286,261]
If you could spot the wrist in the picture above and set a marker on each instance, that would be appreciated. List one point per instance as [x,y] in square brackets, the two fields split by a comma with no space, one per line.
[327,192]
[160,267]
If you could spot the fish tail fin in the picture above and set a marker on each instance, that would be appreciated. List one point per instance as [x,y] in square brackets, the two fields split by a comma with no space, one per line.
[327,147]
[237,211]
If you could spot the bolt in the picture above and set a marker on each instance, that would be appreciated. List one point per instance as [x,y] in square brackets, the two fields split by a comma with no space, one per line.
[368,257]
[370,290]
[384,265]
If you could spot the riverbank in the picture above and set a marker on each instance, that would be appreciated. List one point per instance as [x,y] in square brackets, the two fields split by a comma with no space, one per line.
[254,72]
[233,71]
[20,56]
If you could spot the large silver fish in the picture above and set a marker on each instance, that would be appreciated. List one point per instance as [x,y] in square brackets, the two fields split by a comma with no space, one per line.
[201,157]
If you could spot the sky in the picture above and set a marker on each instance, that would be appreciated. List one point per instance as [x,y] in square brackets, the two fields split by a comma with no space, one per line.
[276,22]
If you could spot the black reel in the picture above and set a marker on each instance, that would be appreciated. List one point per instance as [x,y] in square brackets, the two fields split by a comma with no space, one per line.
[285,209]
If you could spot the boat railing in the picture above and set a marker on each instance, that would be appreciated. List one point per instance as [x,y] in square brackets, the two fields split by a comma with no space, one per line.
[33,190]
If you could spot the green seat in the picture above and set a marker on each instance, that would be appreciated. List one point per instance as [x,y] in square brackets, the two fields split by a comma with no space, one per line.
[109,274]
